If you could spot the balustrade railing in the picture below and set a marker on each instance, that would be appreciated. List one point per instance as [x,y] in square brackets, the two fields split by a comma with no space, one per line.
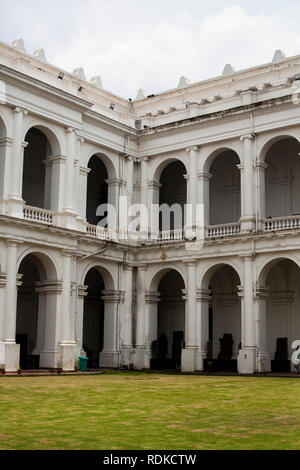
[223,230]
[171,235]
[98,232]
[38,215]
[282,223]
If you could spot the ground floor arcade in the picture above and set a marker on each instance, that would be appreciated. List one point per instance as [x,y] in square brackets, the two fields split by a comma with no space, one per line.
[235,314]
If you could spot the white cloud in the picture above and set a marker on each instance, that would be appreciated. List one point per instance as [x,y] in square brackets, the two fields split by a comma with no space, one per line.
[130,51]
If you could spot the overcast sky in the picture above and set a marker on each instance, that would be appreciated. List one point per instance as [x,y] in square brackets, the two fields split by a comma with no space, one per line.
[149,44]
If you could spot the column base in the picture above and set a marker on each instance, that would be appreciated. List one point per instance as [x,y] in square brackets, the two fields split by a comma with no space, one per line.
[247,224]
[67,218]
[188,360]
[263,362]
[139,358]
[200,356]
[9,356]
[15,207]
[127,357]
[109,359]
[48,357]
[66,356]
[246,361]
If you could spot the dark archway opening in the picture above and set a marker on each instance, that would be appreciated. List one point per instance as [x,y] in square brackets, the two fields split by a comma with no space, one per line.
[166,350]
[36,187]
[173,191]
[93,318]
[97,190]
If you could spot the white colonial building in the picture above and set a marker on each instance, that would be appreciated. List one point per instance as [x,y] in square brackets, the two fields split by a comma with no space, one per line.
[229,146]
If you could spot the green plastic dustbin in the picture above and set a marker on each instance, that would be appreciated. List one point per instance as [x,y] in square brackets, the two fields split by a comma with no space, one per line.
[83,362]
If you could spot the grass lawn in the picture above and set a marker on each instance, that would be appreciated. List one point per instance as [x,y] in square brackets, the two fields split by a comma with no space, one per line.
[124,410]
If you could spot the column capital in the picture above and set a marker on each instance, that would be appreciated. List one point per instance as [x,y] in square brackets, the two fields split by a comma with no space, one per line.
[128,267]
[19,278]
[203,295]
[142,267]
[13,242]
[127,157]
[204,176]
[152,297]
[154,185]
[247,256]
[144,159]
[249,136]
[261,291]
[113,296]
[84,170]
[114,181]
[68,253]
[70,130]
[3,279]
[192,148]
[20,110]
[49,287]
[260,165]
[82,290]
[5,141]
[24,144]
[190,262]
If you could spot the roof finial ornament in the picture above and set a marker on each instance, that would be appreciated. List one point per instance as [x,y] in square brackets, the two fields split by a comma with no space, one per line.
[96,81]
[18,44]
[40,55]
[79,73]
[279,56]
[183,82]
[228,70]
[141,95]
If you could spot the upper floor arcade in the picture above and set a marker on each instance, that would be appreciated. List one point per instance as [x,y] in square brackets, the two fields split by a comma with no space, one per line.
[52,175]
[228,169]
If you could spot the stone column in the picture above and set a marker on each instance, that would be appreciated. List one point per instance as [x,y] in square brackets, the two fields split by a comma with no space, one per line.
[126,323]
[193,155]
[110,354]
[82,293]
[247,185]
[144,228]
[5,160]
[47,328]
[82,190]
[151,300]
[127,204]
[263,357]
[188,361]
[114,186]
[9,350]
[202,328]
[67,343]
[3,278]
[76,190]
[16,202]
[203,207]
[58,164]
[153,205]
[261,196]
[247,355]
[140,317]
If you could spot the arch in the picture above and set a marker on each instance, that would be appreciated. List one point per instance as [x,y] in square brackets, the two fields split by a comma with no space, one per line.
[216,153]
[161,272]
[3,127]
[210,271]
[269,264]
[268,142]
[172,194]
[160,166]
[45,263]
[107,161]
[49,132]
[106,274]
[224,188]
